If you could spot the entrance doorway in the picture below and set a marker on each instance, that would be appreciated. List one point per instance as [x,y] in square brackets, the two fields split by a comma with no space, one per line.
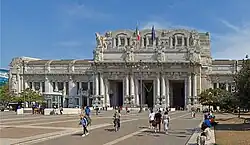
[148,93]
[116,93]
[177,94]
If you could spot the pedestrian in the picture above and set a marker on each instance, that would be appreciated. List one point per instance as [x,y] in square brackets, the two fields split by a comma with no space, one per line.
[84,123]
[165,121]
[87,111]
[157,120]
[151,118]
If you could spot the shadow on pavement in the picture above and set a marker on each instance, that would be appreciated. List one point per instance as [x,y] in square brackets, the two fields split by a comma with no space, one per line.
[77,134]
[110,129]
[233,124]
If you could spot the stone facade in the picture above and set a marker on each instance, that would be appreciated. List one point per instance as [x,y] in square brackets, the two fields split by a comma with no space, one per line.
[174,55]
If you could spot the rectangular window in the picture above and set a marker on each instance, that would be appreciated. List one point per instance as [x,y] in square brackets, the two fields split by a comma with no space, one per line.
[54,86]
[85,86]
[43,86]
[157,41]
[229,87]
[215,85]
[173,41]
[116,42]
[128,39]
[179,41]
[222,86]
[150,41]
[122,41]
[145,41]
[67,88]
[91,88]
[60,86]
[30,85]
[37,86]
[185,41]
[77,87]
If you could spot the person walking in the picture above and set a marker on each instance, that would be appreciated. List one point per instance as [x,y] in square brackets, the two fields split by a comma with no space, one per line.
[157,120]
[165,121]
[84,123]
[151,118]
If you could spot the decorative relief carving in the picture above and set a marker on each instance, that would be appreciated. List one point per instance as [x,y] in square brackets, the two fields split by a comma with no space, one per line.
[159,54]
[13,82]
[128,53]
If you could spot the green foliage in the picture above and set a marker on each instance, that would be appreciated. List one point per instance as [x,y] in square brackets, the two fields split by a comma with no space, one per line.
[5,95]
[218,97]
[28,95]
[242,80]
[208,97]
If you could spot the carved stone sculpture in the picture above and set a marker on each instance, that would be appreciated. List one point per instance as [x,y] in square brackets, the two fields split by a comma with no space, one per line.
[13,82]
[96,55]
[100,40]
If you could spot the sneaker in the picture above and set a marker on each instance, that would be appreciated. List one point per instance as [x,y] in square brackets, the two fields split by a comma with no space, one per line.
[155,130]
[166,132]
[87,133]
[83,135]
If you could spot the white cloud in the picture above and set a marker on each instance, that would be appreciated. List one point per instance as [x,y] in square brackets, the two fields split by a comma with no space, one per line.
[69,44]
[234,44]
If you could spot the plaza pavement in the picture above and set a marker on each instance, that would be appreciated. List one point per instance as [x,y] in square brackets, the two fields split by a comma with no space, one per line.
[64,130]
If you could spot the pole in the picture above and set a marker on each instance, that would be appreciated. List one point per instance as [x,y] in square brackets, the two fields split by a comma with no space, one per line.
[23,83]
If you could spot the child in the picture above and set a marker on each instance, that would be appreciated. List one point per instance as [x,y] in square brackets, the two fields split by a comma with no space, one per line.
[165,121]
[84,123]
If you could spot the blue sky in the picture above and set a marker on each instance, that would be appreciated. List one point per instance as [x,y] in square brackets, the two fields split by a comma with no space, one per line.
[64,29]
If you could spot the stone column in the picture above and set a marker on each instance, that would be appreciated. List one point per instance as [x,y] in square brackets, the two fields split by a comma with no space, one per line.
[175,38]
[147,42]
[163,87]
[167,94]
[227,86]
[137,99]
[119,41]
[217,85]
[158,86]
[96,84]
[126,85]
[41,86]
[102,87]
[195,86]
[64,88]
[189,88]
[107,99]
[187,41]
[33,86]
[182,41]
[114,42]
[132,88]
[126,41]
[186,92]
[171,42]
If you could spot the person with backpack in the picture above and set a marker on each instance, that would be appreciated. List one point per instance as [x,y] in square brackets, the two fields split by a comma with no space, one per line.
[84,122]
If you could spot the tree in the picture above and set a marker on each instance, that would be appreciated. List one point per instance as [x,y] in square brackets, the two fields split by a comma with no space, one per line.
[5,95]
[226,100]
[208,97]
[242,80]
[28,95]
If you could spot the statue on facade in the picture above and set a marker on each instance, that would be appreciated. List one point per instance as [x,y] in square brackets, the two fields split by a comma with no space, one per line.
[100,40]
[96,55]
[194,40]
[193,56]
[13,82]
[160,54]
